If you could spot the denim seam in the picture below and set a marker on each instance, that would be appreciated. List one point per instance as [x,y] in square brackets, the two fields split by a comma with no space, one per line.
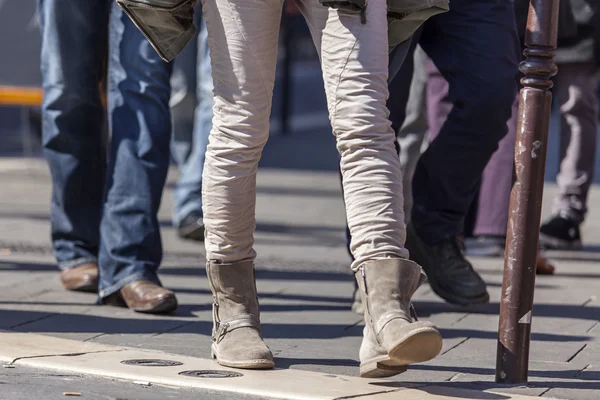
[76,262]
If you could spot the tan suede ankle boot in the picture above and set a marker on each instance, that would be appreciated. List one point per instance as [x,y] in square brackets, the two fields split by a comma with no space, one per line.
[393,338]
[236,339]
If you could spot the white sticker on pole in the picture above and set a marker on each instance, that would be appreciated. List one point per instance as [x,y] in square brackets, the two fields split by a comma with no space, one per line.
[526,319]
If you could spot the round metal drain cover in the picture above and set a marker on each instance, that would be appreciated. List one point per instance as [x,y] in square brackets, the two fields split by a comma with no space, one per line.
[211,374]
[152,363]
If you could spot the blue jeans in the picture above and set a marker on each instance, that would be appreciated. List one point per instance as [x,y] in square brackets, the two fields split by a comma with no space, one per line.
[192,111]
[475,47]
[104,212]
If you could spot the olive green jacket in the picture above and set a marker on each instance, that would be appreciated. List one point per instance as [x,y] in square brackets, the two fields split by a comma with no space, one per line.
[169,24]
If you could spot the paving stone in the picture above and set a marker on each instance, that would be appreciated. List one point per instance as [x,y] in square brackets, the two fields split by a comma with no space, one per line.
[546,350]
[553,339]
[554,351]
[24,279]
[461,372]
[576,391]
[12,280]
[14,318]
[586,386]
[340,357]
[189,337]
[591,353]
[481,373]
[483,350]
[452,343]
[416,375]
[91,324]
[16,313]
[567,298]
[591,373]
[428,307]
[60,300]
[547,319]
[183,344]
[595,330]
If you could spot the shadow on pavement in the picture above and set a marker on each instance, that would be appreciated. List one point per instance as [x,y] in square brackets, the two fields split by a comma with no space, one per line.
[442,389]
[48,322]
[559,379]
[427,308]
[289,191]
[287,362]
[187,310]
[318,232]
[490,371]
[281,296]
[261,274]
[36,321]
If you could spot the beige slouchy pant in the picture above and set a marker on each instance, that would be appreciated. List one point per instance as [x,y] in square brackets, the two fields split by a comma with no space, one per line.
[243,37]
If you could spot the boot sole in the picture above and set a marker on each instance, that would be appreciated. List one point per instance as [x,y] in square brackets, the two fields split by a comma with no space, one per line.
[247,364]
[421,345]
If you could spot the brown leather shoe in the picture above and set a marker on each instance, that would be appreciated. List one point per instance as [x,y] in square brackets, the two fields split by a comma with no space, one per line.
[145,297]
[543,266]
[83,278]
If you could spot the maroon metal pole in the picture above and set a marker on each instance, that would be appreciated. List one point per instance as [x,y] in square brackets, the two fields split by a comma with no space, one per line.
[526,198]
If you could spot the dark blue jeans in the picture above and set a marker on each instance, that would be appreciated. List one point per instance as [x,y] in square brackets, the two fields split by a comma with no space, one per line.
[475,47]
[192,112]
[105,212]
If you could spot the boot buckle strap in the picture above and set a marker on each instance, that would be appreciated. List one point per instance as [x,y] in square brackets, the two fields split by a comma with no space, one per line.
[241,321]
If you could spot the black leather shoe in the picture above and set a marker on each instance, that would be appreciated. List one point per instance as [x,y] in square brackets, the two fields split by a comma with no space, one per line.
[450,275]
[192,227]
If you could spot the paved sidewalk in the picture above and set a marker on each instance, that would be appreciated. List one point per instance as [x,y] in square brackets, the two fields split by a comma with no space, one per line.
[305,289]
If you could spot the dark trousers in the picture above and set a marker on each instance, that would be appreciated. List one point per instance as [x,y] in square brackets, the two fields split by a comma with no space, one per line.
[475,47]
[488,214]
